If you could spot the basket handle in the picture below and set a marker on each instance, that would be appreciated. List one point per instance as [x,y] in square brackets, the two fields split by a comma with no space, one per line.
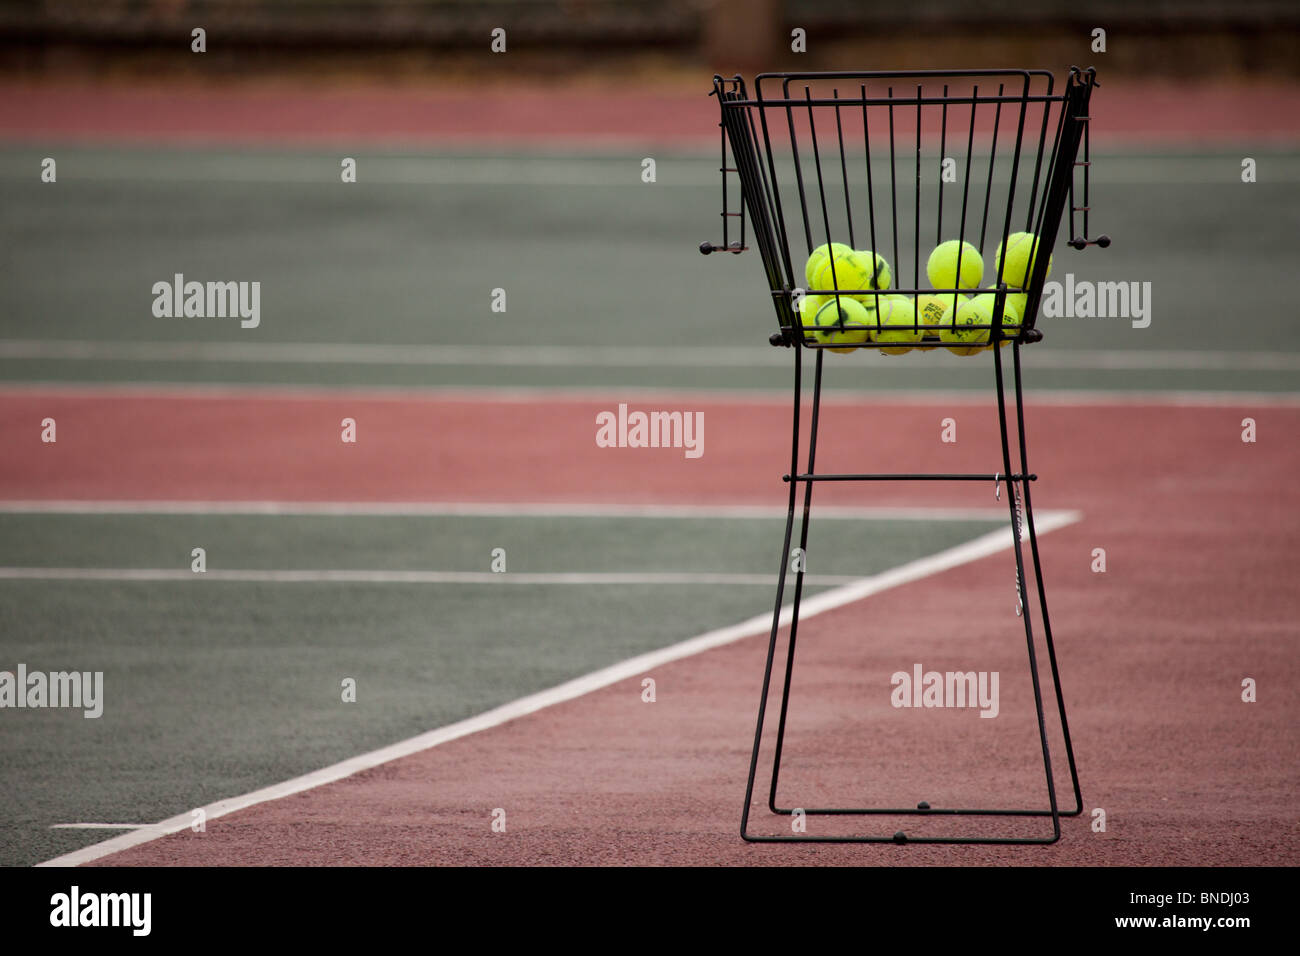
[1080,240]
[737,246]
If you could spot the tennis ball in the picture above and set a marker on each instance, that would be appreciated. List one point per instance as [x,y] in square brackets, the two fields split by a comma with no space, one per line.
[881,277]
[1017,260]
[820,256]
[850,269]
[1010,314]
[930,309]
[1018,301]
[898,323]
[942,266]
[844,323]
[956,332]
[873,274]
[808,306]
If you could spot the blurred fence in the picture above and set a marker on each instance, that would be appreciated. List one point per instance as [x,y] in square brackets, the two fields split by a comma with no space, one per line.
[353,23]
[466,22]
[739,31]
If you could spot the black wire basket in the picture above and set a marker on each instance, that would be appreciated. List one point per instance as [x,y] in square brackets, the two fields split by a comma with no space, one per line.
[891,166]
[848,182]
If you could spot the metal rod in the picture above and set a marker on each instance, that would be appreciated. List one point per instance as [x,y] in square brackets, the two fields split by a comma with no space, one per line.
[908,477]
[798,586]
[780,596]
[1042,591]
[1013,505]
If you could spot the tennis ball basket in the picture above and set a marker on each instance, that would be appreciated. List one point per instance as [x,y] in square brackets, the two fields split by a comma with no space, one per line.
[847,182]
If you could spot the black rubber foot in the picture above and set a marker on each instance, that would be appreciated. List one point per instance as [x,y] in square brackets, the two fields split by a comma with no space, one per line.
[923,805]
[900,837]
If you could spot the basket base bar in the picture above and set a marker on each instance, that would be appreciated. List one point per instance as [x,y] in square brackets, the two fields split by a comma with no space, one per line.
[910,477]
[901,839]
[913,811]
[1020,513]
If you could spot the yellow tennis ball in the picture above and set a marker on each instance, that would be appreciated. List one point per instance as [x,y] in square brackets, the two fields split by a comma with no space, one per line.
[881,277]
[957,332]
[844,323]
[930,310]
[898,324]
[943,264]
[948,304]
[807,308]
[1017,260]
[1016,300]
[1010,314]
[850,269]
[840,269]
[820,256]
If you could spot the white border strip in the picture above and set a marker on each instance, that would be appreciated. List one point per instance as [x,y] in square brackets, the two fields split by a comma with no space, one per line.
[369,576]
[522,394]
[100,826]
[981,547]
[592,356]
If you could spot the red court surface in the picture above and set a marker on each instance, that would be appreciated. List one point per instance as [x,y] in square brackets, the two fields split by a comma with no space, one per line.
[1200,531]
[581,118]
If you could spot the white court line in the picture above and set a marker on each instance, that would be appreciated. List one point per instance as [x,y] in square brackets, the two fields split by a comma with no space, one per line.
[981,547]
[337,576]
[419,509]
[632,356]
[680,166]
[101,826]
[595,356]
[522,394]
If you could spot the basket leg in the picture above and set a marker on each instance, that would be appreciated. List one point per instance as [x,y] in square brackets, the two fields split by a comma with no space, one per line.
[780,597]
[1013,503]
[798,583]
[1042,592]
[1021,487]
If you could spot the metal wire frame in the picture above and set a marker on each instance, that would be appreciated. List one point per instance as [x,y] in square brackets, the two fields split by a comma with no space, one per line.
[761,195]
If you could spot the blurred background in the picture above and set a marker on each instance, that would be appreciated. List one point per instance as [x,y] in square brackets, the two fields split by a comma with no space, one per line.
[521,169]
[435,39]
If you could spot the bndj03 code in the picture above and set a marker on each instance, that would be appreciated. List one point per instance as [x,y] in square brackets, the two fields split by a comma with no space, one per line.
[1225,899]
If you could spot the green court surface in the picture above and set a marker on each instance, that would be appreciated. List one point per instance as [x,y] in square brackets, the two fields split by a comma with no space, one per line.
[214,688]
[389,281]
